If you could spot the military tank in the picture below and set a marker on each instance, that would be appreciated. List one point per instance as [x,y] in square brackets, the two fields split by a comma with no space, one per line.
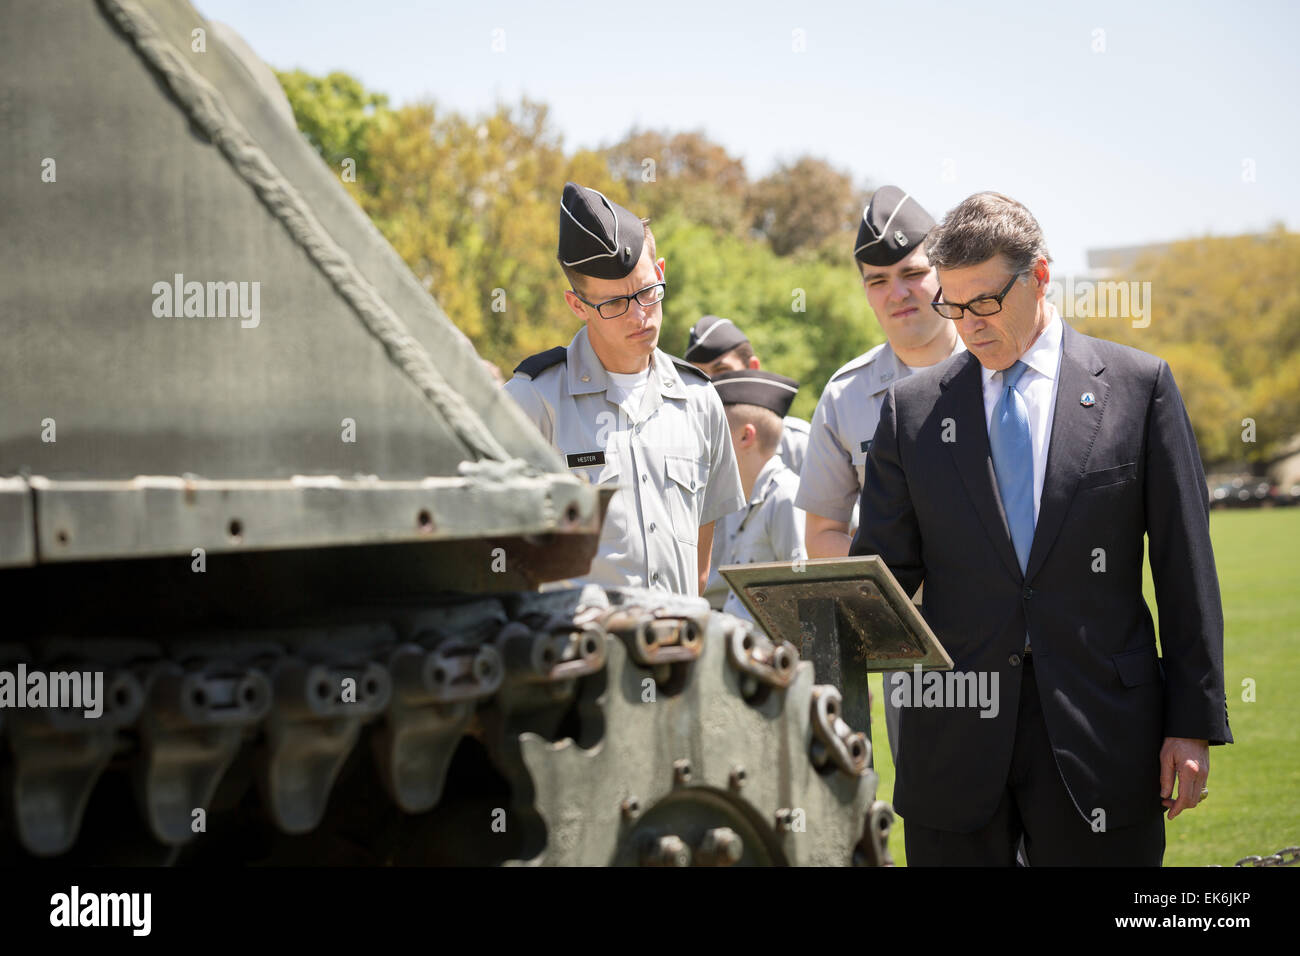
[256,482]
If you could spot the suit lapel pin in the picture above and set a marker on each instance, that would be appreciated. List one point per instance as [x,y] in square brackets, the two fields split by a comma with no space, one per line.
[1087,399]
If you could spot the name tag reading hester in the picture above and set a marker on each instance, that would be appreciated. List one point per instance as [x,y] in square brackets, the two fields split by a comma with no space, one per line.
[585,459]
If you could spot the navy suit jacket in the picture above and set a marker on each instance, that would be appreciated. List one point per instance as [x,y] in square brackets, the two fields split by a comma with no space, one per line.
[1124,467]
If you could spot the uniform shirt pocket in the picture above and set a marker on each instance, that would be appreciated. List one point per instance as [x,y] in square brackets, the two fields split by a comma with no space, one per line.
[683,490]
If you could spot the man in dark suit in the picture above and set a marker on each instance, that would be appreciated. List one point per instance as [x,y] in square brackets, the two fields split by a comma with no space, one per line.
[1017,480]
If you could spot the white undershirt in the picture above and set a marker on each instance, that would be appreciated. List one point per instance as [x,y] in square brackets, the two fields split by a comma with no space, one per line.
[626,388]
[1038,387]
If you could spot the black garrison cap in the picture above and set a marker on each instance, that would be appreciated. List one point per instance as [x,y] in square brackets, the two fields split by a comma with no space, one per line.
[598,238]
[754,387]
[711,337]
[893,224]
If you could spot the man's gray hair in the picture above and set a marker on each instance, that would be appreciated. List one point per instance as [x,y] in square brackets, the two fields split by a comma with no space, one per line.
[983,226]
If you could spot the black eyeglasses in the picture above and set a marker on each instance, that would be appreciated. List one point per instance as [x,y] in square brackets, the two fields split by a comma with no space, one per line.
[984,305]
[613,308]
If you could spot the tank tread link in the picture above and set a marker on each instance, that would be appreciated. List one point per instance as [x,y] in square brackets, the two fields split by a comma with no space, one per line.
[585,726]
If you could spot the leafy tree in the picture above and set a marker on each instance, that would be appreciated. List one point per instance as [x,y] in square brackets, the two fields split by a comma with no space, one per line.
[471,205]
[761,292]
[804,204]
[1225,314]
[335,113]
[681,172]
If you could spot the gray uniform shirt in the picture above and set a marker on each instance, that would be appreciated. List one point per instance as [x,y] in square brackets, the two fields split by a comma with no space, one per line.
[793,448]
[769,528]
[671,459]
[794,443]
[842,427]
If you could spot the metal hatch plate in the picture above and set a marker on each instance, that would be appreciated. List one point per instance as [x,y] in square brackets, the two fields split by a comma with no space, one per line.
[854,602]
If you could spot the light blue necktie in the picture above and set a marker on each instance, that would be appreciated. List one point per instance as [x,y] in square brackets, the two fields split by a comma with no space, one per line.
[1013,462]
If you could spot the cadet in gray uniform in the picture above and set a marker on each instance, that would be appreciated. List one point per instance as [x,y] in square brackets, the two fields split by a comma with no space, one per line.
[770,528]
[717,345]
[623,412]
[900,285]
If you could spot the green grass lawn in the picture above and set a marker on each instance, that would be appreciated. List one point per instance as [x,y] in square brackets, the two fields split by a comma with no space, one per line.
[1254,804]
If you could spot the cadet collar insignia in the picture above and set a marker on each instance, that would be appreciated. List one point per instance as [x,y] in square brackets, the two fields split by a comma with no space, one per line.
[1087,399]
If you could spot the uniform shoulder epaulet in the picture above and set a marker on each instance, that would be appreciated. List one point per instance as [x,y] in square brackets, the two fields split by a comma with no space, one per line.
[866,358]
[535,365]
[690,369]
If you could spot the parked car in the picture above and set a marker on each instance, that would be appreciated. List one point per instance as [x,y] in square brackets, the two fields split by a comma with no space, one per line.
[1286,497]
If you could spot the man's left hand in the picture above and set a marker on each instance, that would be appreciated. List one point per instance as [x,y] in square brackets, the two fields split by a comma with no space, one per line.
[1189,761]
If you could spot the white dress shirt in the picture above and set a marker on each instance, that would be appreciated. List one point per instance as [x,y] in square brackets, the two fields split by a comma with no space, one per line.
[1037,386]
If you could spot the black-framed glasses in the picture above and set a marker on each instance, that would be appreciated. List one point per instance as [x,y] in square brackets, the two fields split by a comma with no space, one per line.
[983,305]
[613,308]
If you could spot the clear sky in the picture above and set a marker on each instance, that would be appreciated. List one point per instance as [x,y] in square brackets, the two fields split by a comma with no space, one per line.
[1117,123]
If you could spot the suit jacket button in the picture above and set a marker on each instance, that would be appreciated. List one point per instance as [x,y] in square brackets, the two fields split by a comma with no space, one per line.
[1028,592]
[1014,660]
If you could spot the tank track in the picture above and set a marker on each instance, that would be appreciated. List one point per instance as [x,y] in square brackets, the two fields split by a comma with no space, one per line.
[587,726]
